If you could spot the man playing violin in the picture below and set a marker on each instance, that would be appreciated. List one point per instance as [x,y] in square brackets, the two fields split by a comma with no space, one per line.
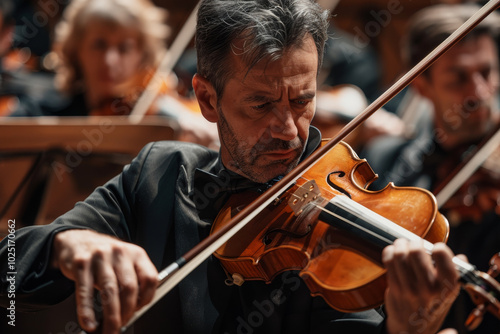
[257,68]
[462,87]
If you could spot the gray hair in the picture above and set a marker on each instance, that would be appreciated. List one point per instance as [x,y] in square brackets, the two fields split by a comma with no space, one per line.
[432,25]
[268,27]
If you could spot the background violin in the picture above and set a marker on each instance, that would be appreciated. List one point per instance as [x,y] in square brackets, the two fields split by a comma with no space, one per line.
[471,182]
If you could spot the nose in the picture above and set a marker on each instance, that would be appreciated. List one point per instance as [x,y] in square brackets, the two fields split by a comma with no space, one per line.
[111,57]
[282,124]
[480,87]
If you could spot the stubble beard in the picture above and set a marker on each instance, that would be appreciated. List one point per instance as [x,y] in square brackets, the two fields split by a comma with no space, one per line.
[244,159]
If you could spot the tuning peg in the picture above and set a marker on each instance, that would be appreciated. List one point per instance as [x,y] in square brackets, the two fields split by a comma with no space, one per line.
[475,317]
[494,265]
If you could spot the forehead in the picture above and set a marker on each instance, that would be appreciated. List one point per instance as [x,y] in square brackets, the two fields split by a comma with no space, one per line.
[468,55]
[99,27]
[296,64]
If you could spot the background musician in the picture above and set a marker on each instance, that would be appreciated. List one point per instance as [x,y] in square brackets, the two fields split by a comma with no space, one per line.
[462,87]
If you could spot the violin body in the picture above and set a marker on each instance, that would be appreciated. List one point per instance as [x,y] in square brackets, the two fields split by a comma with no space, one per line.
[335,263]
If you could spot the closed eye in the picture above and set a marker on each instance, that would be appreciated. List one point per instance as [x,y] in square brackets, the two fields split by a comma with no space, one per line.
[304,99]
[301,104]
[261,106]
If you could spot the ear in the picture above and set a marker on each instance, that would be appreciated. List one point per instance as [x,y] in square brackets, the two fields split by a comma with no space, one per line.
[207,98]
[422,85]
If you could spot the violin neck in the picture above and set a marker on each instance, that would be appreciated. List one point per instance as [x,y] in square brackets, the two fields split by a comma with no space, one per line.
[378,232]
[468,272]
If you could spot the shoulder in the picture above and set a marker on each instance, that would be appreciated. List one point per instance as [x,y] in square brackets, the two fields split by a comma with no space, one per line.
[180,151]
[167,157]
[384,149]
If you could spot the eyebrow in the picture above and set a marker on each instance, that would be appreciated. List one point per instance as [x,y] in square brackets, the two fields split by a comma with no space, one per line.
[258,99]
[306,96]
[262,98]
[480,67]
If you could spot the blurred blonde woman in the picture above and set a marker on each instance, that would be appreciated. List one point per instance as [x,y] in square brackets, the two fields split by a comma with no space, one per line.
[109,48]
[107,51]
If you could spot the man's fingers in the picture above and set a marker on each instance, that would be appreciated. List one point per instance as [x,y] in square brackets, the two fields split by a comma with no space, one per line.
[447,274]
[128,285]
[123,273]
[398,266]
[107,285]
[84,294]
[147,275]
[393,279]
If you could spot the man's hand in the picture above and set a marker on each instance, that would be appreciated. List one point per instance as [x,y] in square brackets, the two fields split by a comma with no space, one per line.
[421,287]
[122,272]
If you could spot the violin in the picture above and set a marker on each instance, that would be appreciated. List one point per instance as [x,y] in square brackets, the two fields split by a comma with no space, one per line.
[331,229]
[321,226]
[478,195]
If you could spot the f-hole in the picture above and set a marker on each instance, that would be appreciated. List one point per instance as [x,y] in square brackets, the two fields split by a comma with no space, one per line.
[334,186]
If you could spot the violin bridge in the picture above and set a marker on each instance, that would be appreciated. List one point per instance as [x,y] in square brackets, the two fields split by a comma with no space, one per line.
[304,195]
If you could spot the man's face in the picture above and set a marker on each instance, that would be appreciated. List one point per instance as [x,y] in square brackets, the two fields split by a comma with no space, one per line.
[264,115]
[463,85]
[109,56]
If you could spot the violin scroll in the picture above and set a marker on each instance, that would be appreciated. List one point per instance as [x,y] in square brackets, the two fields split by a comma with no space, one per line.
[486,296]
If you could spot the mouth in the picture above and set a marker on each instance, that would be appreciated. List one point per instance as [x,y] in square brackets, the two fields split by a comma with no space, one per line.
[281,155]
[480,114]
[107,78]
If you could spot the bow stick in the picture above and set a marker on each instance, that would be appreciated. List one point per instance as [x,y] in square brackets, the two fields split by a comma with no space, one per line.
[169,60]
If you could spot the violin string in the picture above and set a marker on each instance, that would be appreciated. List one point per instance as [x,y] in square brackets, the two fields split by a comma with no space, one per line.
[354,224]
[374,219]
